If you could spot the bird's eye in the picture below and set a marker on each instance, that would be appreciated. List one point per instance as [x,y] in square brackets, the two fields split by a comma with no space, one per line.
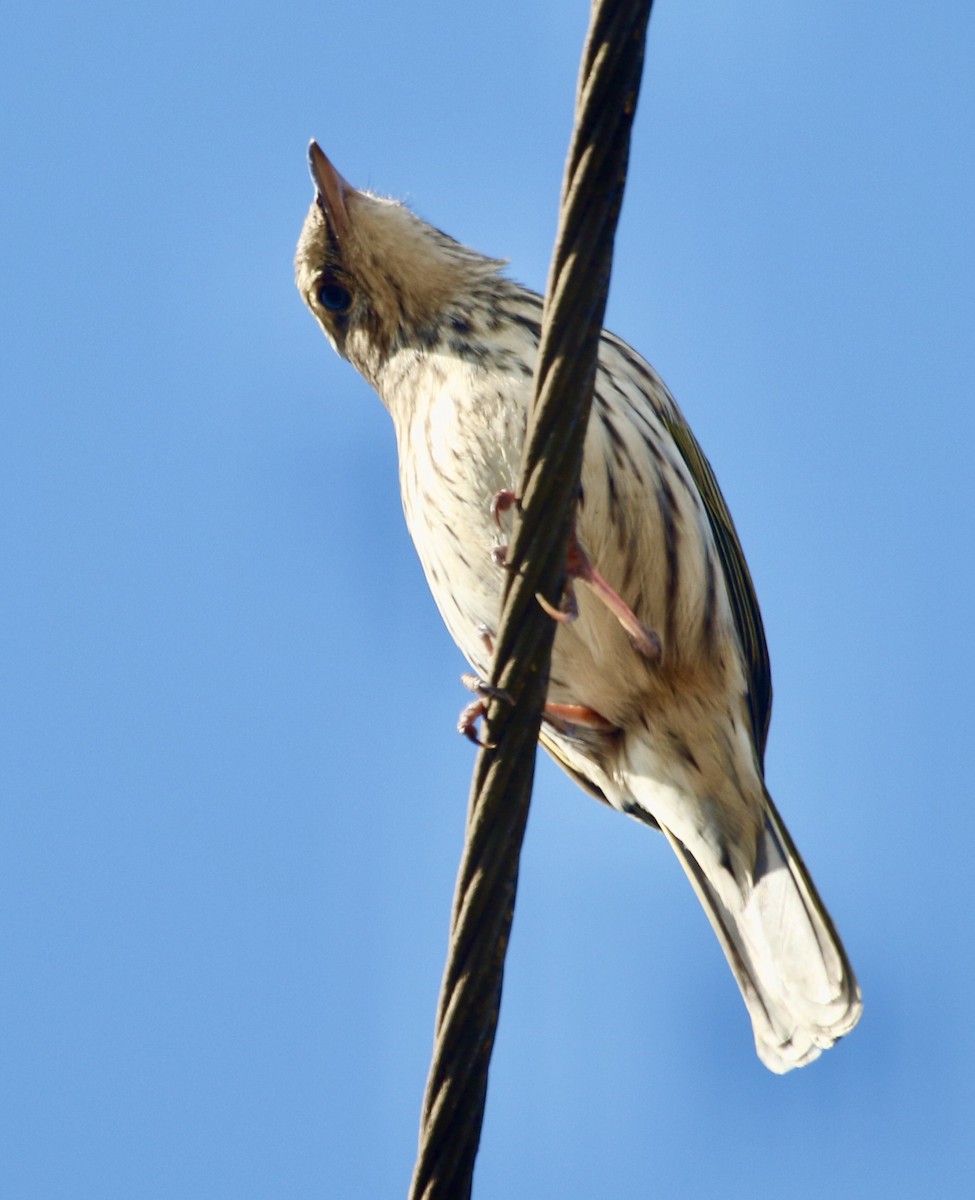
[334,297]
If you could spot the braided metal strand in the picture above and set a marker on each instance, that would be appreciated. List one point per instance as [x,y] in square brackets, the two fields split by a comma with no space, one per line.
[575,301]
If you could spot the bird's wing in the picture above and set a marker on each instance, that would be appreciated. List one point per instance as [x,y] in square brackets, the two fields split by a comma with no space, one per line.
[741,590]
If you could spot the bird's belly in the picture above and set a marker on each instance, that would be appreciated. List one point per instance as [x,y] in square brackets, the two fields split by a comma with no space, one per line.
[466,584]
[642,530]
[451,469]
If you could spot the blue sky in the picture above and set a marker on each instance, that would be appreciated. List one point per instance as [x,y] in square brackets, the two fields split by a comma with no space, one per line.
[233,800]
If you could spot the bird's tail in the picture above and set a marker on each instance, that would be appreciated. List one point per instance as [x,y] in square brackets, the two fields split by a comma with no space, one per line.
[789,963]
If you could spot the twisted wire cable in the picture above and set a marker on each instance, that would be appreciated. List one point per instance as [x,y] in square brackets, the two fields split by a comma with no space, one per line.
[575,301]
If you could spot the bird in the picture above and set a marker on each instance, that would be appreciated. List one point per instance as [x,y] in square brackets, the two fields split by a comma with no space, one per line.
[659,695]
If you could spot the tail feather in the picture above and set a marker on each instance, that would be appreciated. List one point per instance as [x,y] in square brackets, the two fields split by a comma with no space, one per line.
[786,957]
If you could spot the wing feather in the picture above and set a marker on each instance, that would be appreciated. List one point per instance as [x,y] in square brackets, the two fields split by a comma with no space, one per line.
[741,590]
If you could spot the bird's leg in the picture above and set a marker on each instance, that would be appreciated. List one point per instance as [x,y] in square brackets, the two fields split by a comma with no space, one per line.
[578,714]
[578,566]
[558,714]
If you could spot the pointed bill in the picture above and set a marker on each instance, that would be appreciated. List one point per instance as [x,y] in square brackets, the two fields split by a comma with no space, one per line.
[331,189]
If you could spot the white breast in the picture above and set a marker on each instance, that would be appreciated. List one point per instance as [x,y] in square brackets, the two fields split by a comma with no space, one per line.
[460,442]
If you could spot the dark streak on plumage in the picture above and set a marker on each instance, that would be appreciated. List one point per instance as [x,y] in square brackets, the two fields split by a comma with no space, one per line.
[468,350]
[689,487]
[606,376]
[709,625]
[669,514]
[682,748]
[533,327]
[617,514]
[655,452]
[428,336]
[634,362]
[617,444]
[629,570]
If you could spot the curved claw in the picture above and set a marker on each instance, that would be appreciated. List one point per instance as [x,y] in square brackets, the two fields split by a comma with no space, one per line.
[467,723]
[501,502]
[473,712]
[569,608]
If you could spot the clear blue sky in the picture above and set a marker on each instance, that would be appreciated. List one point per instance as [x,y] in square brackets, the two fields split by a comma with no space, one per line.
[233,800]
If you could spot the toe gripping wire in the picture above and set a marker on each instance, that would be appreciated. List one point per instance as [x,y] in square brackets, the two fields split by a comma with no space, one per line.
[592,192]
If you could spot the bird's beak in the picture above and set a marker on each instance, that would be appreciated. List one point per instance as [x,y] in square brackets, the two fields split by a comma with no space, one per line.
[331,190]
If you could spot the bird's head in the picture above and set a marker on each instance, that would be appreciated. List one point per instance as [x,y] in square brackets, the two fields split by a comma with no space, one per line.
[376,277]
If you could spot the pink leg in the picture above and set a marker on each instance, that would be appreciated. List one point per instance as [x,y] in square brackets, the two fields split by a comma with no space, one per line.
[578,566]
[560,714]
[578,714]
[557,714]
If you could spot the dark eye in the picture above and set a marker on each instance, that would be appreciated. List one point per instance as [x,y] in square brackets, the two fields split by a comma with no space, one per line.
[334,297]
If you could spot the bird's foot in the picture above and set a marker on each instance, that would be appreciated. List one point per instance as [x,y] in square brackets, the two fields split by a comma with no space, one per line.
[501,502]
[565,716]
[578,566]
[472,713]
